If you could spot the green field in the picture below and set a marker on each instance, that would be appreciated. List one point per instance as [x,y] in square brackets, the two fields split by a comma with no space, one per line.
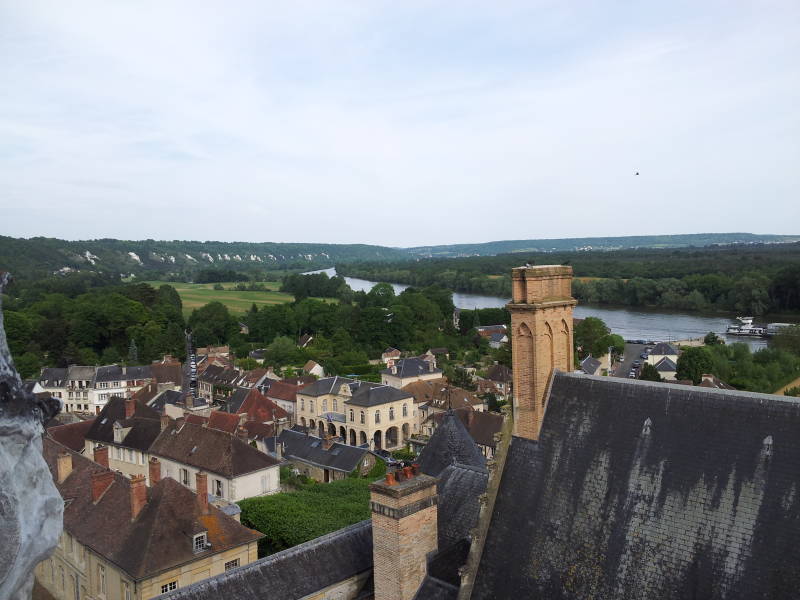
[195,295]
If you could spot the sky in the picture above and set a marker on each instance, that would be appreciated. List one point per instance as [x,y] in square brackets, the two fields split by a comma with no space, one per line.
[398,123]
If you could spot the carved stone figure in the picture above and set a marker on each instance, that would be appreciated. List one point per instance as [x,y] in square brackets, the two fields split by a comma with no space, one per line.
[31,509]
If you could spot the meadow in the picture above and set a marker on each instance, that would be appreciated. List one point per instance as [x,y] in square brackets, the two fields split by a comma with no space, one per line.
[195,295]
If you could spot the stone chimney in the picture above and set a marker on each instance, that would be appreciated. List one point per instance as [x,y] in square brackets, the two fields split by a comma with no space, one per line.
[63,466]
[541,339]
[138,495]
[130,407]
[327,441]
[201,480]
[241,433]
[100,483]
[403,531]
[154,470]
[164,421]
[101,455]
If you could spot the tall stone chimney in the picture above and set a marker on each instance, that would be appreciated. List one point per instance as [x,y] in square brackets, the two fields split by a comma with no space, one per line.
[403,532]
[201,480]
[541,338]
[130,407]
[138,495]
[154,471]
[63,466]
[101,455]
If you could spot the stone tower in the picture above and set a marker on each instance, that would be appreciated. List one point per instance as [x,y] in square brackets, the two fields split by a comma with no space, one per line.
[541,338]
[404,532]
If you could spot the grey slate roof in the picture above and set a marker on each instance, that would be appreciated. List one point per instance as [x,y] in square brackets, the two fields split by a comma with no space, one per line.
[649,490]
[53,377]
[294,573]
[374,394]
[236,399]
[411,367]
[327,385]
[115,373]
[145,425]
[459,487]
[664,348]
[309,449]
[666,364]
[590,365]
[450,443]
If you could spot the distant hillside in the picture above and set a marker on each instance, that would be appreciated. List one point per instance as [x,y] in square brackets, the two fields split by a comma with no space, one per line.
[39,256]
[597,243]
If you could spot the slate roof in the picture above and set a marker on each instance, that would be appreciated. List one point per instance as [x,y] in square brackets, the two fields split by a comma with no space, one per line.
[295,573]
[459,487]
[53,377]
[664,348]
[158,539]
[590,365]
[173,397]
[72,435]
[236,399]
[309,449]
[327,385]
[500,373]
[450,443]
[210,449]
[411,367]
[666,364]
[118,373]
[145,425]
[374,394]
[80,373]
[648,490]
[481,425]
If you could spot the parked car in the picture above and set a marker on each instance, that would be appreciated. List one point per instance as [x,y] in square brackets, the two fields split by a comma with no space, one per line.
[643,355]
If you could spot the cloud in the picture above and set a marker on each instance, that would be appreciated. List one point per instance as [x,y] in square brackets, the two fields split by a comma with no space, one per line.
[396,123]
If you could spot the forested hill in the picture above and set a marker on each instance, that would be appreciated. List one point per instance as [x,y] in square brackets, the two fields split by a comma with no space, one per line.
[597,243]
[42,256]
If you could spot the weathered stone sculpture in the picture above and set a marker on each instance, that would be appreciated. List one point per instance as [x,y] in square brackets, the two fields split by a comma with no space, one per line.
[31,509]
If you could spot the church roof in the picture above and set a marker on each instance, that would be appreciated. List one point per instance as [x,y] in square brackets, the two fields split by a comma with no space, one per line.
[450,443]
[641,489]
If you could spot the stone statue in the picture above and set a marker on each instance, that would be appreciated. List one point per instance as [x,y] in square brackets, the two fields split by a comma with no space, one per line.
[31,509]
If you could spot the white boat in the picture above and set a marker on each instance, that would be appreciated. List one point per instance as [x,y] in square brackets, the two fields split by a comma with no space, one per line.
[745,327]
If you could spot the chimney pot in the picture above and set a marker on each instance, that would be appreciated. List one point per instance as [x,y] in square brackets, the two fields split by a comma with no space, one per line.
[201,480]
[130,407]
[154,467]
[390,480]
[101,455]
[415,468]
[64,466]
[100,483]
[408,473]
[138,495]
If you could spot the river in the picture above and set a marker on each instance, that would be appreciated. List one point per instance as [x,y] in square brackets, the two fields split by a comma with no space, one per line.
[630,323]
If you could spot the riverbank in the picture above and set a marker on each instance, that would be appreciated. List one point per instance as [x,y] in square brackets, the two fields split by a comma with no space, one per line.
[795,383]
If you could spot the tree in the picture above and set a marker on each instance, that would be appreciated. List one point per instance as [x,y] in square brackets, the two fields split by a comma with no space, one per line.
[610,340]
[133,352]
[649,373]
[282,351]
[588,333]
[693,363]
[712,339]
[788,339]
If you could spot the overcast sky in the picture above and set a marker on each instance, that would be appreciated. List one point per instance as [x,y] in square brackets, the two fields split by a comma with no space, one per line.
[400,123]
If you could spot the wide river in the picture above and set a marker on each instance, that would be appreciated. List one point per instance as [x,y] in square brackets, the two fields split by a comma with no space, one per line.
[630,323]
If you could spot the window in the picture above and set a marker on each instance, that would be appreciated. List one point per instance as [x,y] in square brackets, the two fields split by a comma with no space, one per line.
[103,385]
[116,384]
[363,418]
[325,405]
[61,580]
[199,542]
[405,410]
[311,405]
[302,403]
[218,488]
[352,415]
[335,405]
[184,476]
[130,456]
[231,564]
[101,579]
[377,416]
[391,413]
[168,587]
[263,485]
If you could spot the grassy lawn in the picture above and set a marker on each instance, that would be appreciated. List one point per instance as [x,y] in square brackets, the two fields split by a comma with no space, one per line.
[195,295]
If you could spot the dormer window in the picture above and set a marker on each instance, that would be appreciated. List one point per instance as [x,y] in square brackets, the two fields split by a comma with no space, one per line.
[200,542]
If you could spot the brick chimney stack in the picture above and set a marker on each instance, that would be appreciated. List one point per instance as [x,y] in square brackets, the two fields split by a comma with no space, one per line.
[64,466]
[201,480]
[404,521]
[138,495]
[100,483]
[164,421]
[154,470]
[101,455]
[327,441]
[130,407]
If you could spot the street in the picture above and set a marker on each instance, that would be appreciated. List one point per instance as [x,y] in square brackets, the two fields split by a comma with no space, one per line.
[632,353]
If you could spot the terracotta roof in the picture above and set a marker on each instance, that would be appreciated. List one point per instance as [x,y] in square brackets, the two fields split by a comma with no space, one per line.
[281,390]
[73,435]
[302,380]
[261,409]
[210,449]
[159,538]
[167,373]
[481,425]
[223,421]
[196,419]
[437,393]
[500,373]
